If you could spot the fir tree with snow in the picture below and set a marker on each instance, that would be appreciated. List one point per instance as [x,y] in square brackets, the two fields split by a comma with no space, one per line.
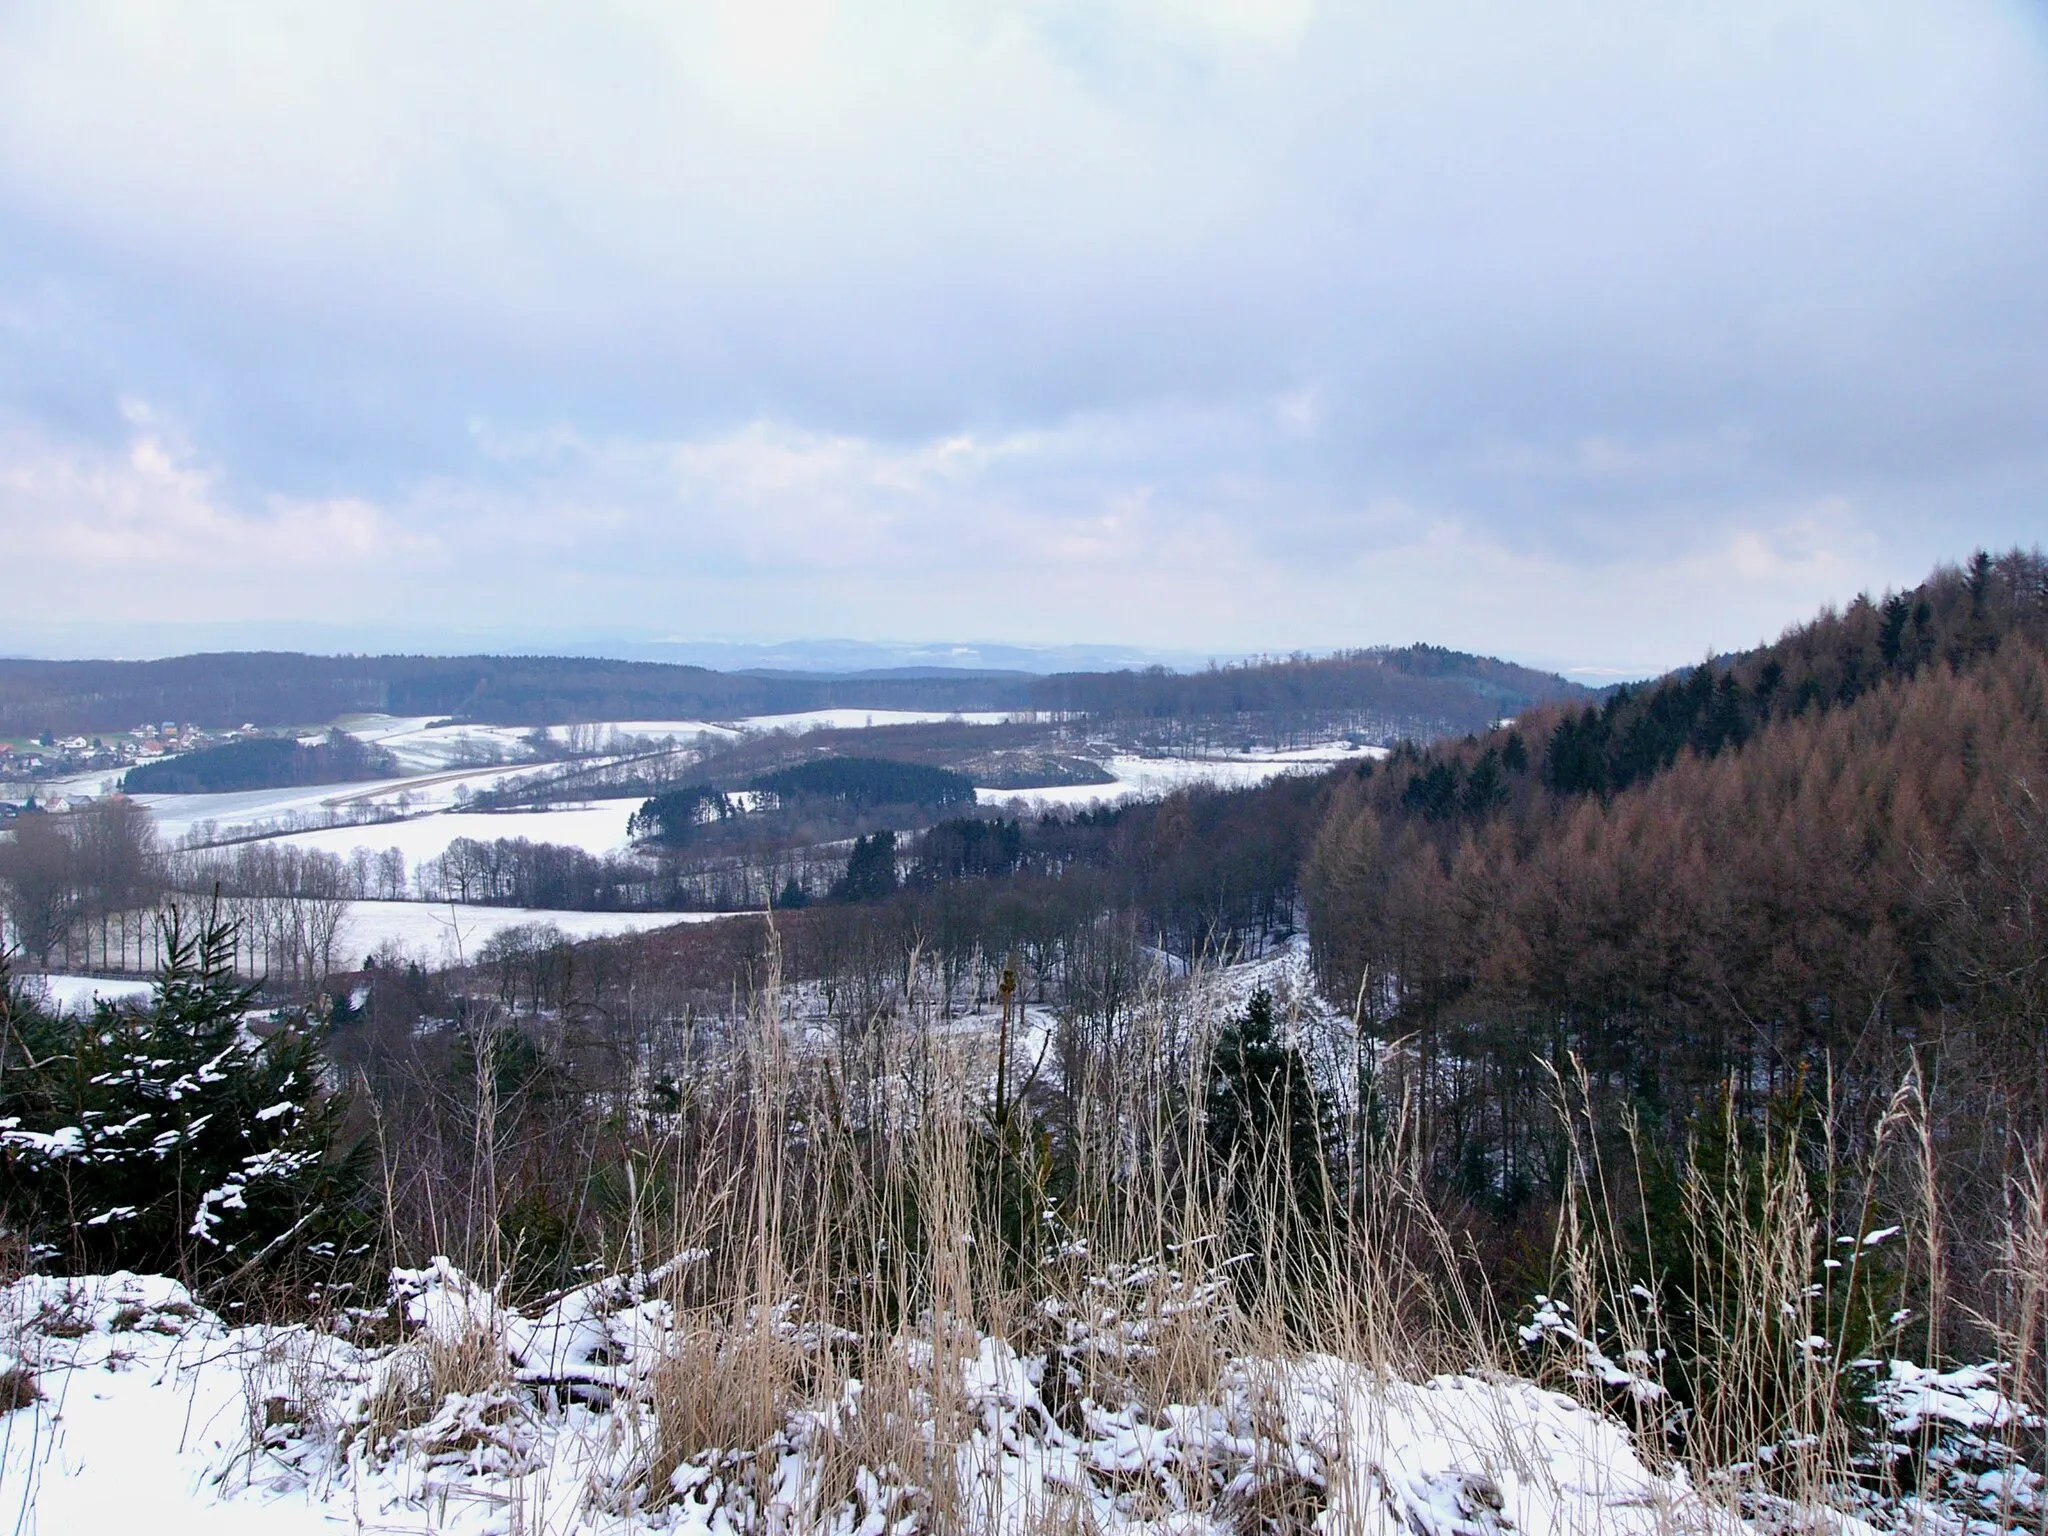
[174,1138]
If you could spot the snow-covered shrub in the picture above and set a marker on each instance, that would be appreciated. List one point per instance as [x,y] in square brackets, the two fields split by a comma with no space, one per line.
[173,1138]
[1960,1439]
[447,1385]
[1131,1334]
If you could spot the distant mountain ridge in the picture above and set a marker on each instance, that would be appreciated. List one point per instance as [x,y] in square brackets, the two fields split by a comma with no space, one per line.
[107,638]
[1416,690]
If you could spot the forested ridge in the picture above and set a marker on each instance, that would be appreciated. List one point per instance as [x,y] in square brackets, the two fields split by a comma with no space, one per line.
[287,688]
[1419,689]
[1442,690]
[1813,867]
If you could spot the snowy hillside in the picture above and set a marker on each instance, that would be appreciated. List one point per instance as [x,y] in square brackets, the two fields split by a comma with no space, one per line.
[147,1412]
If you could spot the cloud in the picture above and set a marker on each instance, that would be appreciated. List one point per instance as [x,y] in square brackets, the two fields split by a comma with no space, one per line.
[1217,324]
[149,522]
[1128,529]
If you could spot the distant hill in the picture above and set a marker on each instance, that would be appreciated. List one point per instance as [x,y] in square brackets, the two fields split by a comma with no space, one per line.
[1420,691]
[261,762]
[1417,691]
[284,688]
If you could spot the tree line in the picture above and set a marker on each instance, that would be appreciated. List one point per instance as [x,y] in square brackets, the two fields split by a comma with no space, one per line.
[70,878]
[835,787]
[1820,863]
[1417,684]
[262,762]
[89,889]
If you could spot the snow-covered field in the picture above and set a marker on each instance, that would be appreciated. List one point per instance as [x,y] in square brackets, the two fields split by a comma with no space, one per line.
[1139,778]
[421,813]
[860,719]
[626,731]
[795,724]
[598,828]
[153,1415]
[422,746]
[435,818]
[438,933]
[177,815]
[270,811]
[433,933]
[76,994]
[89,786]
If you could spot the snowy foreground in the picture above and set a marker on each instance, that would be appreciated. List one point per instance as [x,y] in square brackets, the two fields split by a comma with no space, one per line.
[152,1415]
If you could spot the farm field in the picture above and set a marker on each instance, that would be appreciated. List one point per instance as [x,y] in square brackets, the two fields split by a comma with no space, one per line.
[443,933]
[423,811]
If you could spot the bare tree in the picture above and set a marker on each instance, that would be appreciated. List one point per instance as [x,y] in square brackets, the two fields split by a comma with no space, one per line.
[391,875]
[118,869]
[38,867]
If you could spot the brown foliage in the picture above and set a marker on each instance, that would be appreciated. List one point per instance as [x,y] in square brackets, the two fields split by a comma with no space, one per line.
[1852,888]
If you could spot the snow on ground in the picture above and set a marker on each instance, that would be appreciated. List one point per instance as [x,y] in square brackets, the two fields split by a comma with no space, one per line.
[1286,972]
[436,819]
[263,811]
[177,815]
[624,732]
[76,994]
[340,818]
[433,933]
[83,786]
[1150,777]
[378,729]
[421,746]
[154,1415]
[860,719]
[437,933]
[598,827]
[270,812]
[133,1417]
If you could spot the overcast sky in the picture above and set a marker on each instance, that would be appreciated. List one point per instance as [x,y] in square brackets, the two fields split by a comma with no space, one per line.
[1591,334]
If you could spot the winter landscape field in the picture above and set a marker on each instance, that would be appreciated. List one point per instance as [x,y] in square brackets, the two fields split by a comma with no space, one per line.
[377,838]
[1265,1137]
[1030,768]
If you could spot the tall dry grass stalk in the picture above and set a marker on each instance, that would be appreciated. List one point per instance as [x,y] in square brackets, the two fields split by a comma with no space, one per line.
[863,1215]
[843,1220]
[1749,1325]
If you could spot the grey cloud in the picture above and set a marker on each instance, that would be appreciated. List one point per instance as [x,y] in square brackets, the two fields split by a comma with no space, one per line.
[1338,294]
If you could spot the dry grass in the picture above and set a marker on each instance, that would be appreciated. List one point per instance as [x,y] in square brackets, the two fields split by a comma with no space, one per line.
[719,1399]
[289,1390]
[858,1260]
[867,1218]
[18,1388]
[415,1381]
[1802,1271]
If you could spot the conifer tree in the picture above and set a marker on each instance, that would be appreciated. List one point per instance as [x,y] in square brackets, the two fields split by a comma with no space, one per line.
[1267,1124]
[172,1138]
[870,869]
